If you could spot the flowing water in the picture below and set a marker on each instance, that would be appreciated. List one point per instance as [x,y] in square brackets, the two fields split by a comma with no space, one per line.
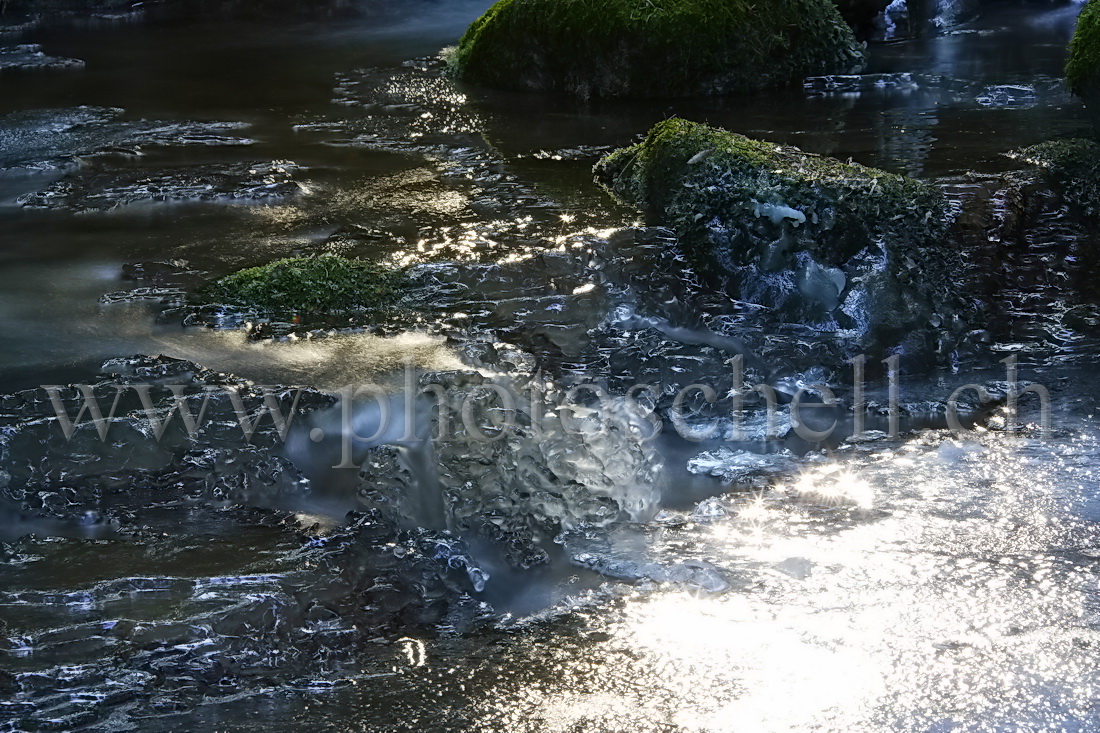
[562,578]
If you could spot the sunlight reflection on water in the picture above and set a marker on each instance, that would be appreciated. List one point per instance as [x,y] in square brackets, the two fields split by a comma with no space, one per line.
[956,598]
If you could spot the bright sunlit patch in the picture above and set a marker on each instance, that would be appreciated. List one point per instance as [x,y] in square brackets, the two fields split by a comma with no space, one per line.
[789,679]
[472,241]
[834,485]
[327,363]
[918,616]
[755,511]
[416,653]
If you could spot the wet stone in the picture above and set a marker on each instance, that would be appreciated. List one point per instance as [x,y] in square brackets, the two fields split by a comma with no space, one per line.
[31,57]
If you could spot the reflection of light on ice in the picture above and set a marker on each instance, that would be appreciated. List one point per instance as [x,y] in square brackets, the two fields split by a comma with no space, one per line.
[788,678]
[954,606]
[415,651]
[755,511]
[833,484]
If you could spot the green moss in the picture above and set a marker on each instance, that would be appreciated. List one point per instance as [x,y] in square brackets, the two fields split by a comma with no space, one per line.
[646,48]
[320,284]
[1083,67]
[1074,165]
[689,176]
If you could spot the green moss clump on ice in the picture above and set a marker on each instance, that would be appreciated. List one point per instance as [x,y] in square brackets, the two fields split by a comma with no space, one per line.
[1083,67]
[652,48]
[321,284]
[689,175]
[1074,165]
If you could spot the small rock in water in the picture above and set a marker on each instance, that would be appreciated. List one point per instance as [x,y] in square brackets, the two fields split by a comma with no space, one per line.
[29,56]
[856,84]
[738,466]
[96,190]
[1009,95]
[129,296]
[697,574]
[867,436]
[797,567]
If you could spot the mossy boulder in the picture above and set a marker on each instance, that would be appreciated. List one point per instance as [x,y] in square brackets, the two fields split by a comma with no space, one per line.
[322,284]
[687,173]
[816,240]
[1073,165]
[1083,66]
[654,48]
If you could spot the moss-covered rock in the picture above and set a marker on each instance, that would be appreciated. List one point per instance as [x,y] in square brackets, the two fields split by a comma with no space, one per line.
[1073,165]
[1083,67]
[650,48]
[817,240]
[686,174]
[321,284]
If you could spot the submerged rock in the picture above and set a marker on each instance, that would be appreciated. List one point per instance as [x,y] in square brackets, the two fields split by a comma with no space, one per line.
[835,245]
[312,284]
[98,184]
[1073,166]
[641,48]
[29,56]
[46,139]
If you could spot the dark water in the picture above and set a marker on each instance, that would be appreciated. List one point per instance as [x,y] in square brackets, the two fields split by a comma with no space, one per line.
[931,581]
